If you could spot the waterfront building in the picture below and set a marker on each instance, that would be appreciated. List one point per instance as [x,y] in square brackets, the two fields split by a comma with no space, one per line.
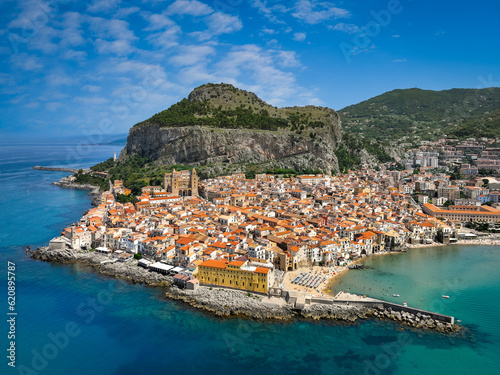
[464,213]
[236,274]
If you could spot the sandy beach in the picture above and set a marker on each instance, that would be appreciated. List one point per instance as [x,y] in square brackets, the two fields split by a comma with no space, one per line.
[494,241]
[329,273]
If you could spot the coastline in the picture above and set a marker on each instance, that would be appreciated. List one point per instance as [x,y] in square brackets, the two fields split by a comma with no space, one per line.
[68,183]
[225,302]
[335,279]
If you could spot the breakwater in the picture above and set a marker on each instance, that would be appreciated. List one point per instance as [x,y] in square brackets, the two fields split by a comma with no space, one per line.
[285,305]
[57,169]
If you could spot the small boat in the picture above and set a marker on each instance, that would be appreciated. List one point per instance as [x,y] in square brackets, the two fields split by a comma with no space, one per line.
[395,295]
[404,304]
[443,296]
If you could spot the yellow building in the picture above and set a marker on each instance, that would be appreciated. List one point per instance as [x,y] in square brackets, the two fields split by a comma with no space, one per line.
[236,274]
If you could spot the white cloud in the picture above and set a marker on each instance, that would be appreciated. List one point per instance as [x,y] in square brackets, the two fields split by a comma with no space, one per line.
[219,23]
[53,106]
[190,55]
[60,79]
[72,33]
[272,13]
[125,12]
[99,6]
[18,99]
[348,28]
[26,62]
[287,59]
[91,100]
[196,73]
[268,31]
[91,88]
[110,28]
[74,55]
[189,7]
[32,105]
[142,70]
[313,12]
[299,37]
[396,36]
[168,31]
[399,60]
[158,21]
[251,63]
[118,47]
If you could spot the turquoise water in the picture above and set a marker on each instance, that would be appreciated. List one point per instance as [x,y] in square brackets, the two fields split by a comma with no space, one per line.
[120,328]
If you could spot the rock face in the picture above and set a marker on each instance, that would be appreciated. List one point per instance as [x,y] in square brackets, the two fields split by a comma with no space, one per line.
[196,146]
[207,145]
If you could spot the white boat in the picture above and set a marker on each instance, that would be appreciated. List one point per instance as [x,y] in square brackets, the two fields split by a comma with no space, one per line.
[395,295]
[443,296]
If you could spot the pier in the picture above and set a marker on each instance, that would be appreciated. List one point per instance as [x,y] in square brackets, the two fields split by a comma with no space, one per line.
[57,169]
[391,310]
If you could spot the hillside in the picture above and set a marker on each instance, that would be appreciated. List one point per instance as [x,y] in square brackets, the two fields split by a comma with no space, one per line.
[224,106]
[220,129]
[413,114]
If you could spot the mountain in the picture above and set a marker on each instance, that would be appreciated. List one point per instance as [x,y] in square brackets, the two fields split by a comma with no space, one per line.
[412,114]
[221,129]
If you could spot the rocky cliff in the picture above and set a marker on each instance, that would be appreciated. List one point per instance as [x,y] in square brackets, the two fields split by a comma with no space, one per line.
[219,125]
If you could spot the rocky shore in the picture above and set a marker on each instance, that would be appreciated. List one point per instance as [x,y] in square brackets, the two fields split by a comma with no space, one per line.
[226,302]
[129,271]
[69,183]
[234,303]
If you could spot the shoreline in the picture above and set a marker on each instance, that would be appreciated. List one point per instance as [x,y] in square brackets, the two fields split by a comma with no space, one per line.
[224,302]
[333,280]
[67,183]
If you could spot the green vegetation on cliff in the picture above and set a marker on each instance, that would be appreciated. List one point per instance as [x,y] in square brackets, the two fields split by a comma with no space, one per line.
[224,106]
[186,113]
[413,114]
[85,178]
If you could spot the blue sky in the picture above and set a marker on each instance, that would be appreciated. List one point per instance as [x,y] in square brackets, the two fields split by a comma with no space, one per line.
[100,66]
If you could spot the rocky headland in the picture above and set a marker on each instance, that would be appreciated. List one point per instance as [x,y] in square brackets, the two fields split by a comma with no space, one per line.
[69,183]
[219,127]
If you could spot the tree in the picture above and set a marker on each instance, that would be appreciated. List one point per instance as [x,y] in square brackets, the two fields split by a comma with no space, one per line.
[137,256]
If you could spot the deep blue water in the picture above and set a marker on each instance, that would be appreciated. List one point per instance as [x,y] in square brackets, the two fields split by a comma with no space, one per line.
[120,328]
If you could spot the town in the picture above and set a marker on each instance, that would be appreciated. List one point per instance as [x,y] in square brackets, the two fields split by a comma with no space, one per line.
[255,234]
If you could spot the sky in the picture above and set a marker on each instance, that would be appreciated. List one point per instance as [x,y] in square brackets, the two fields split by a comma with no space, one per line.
[73,67]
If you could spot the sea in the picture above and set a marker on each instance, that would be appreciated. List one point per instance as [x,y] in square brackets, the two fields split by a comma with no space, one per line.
[71,320]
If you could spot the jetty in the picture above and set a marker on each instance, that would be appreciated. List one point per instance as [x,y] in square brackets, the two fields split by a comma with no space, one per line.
[411,316]
[57,169]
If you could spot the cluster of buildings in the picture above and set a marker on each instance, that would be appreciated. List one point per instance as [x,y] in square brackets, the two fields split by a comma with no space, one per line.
[241,233]
[473,156]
